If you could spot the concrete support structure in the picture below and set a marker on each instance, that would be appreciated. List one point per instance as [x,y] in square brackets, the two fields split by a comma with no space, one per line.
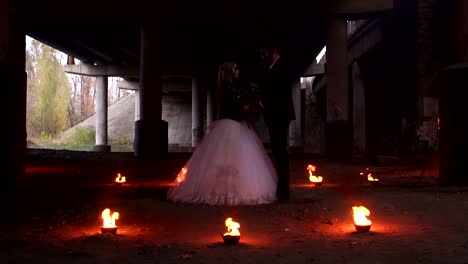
[360,7]
[295,127]
[359,109]
[197,112]
[453,114]
[428,66]
[13,79]
[135,86]
[137,105]
[151,132]
[102,70]
[462,30]
[209,109]
[338,129]
[101,115]
[128,85]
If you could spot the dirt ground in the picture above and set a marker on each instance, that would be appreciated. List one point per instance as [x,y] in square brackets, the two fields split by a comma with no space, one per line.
[55,217]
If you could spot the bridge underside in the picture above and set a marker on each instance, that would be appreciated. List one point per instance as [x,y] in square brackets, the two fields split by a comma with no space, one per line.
[193,33]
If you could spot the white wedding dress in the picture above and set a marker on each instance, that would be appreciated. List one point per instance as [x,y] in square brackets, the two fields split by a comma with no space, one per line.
[229,167]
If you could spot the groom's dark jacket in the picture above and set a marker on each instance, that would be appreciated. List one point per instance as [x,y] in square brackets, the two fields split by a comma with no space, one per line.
[276,94]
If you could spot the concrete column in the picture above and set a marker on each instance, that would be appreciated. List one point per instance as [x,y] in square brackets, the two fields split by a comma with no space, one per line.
[4,30]
[359,109]
[197,122]
[13,79]
[453,115]
[338,138]
[137,105]
[101,115]
[462,30]
[295,127]
[151,132]
[311,121]
[209,109]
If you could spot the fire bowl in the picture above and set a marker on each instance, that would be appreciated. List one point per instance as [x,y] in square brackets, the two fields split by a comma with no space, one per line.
[362,228]
[373,182]
[231,240]
[317,184]
[112,230]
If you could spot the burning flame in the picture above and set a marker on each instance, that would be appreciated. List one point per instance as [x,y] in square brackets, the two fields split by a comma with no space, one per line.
[108,220]
[438,123]
[232,228]
[120,179]
[360,213]
[181,176]
[371,178]
[312,177]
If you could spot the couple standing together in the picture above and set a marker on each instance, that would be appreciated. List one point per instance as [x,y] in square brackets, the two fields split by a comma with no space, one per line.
[231,166]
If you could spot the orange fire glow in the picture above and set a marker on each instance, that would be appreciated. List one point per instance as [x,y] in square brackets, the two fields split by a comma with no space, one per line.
[232,228]
[181,176]
[372,178]
[360,216]
[108,220]
[120,179]
[312,177]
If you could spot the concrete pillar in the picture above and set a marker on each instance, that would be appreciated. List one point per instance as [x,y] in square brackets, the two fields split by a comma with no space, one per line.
[13,80]
[452,105]
[453,127]
[101,115]
[311,121]
[462,29]
[338,129]
[137,105]
[4,31]
[209,109]
[359,109]
[197,111]
[295,127]
[151,132]
[428,66]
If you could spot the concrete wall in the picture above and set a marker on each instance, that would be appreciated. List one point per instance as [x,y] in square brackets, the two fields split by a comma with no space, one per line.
[177,111]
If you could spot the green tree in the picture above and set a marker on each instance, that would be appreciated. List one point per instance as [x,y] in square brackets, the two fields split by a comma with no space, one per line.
[53,93]
[32,115]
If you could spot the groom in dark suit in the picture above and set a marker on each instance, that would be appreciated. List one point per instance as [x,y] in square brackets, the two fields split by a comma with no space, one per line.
[278,113]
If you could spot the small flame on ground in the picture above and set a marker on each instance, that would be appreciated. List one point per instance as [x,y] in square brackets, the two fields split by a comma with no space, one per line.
[360,216]
[120,179]
[371,178]
[232,228]
[108,220]
[181,176]
[312,177]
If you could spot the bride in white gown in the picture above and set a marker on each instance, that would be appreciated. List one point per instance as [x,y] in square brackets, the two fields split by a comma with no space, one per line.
[230,165]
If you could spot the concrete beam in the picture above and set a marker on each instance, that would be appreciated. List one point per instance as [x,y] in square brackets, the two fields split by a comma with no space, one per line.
[102,70]
[314,69]
[127,85]
[354,8]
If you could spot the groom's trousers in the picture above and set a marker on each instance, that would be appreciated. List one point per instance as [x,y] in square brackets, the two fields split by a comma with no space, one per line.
[279,143]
